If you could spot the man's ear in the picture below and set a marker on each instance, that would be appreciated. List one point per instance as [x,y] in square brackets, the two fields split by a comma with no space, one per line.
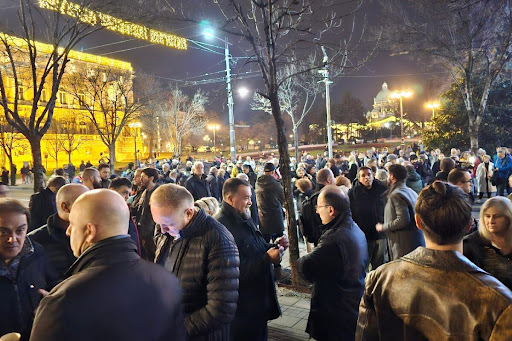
[418,222]
[64,206]
[91,232]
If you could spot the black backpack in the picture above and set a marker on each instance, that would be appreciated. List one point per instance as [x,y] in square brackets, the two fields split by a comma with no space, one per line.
[310,220]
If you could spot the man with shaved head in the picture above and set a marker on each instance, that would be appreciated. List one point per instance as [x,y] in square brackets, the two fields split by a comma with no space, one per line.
[52,236]
[91,178]
[111,294]
[310,218]
[202,253]
[336,267]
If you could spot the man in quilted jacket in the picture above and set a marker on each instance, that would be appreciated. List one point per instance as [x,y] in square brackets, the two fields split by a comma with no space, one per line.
[202,253]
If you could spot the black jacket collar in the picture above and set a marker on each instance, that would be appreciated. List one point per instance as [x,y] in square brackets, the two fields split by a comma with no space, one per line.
[229,211]
[195,226]
[113,250]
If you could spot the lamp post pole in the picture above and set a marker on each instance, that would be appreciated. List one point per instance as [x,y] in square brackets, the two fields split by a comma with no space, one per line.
[231,116]
[402,125]
[327,82]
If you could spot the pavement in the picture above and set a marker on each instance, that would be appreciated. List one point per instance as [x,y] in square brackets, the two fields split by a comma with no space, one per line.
[291,325]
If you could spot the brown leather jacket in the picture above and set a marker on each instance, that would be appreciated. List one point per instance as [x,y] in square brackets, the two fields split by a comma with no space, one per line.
[434,295]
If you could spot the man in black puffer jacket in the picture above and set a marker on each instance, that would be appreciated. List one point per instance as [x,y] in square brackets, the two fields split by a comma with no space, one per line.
[24,270]
[367,206]
[52,236]
[204,257]
[337,269]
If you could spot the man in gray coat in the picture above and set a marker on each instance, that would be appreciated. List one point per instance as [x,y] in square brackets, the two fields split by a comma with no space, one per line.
[402,234]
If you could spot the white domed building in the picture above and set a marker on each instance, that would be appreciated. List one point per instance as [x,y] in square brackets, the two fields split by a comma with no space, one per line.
[383,107]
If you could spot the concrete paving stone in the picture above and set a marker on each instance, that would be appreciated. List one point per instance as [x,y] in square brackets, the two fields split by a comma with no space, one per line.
[286,321]
[301,325]
[285,300]
[286,334]
[306,304]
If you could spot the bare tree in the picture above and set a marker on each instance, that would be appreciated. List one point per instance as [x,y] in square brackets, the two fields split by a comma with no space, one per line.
[297,94]
[70,141]
[36,69]
[106,95]
[10,141]
[53,141]
[471,39]
[181,116]
[271,32]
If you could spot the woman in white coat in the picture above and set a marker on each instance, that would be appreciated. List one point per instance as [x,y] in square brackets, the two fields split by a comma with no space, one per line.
[483,178]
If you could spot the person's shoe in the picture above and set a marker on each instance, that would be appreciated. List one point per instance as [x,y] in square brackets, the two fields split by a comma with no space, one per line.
[478,201]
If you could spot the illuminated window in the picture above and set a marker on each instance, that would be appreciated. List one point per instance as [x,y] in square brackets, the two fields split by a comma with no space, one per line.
[83,128]
[21,93]
[63,98]
[44,96]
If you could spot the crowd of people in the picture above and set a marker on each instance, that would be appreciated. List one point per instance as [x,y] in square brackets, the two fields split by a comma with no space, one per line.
[171,250]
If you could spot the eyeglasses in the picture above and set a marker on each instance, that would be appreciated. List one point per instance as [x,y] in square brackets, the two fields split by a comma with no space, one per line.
[317,206]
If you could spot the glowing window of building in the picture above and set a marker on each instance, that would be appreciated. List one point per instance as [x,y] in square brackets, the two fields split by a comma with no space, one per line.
[21,93]
[83,127]
[63,98]
[82,99]
[44,96]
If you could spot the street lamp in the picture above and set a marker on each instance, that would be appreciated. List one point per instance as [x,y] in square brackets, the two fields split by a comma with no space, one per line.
[433,106]
[209,34]
[400,95]
[134,126]
[214,127]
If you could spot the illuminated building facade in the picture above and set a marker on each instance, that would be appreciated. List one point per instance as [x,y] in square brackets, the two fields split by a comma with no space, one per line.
[71,129]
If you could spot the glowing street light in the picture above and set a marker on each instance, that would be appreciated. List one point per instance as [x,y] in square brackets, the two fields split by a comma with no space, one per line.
[433,106]
[135,126]
[214,128]
[243,91]
[400,95]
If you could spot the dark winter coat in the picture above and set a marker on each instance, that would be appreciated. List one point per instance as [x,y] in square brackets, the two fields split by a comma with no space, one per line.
[480,251]
[112,294]
[205,260]
[257,297]
[198,187]
[42,205]
[213,183]
[55,243]
[402,234]
[270,198]
[19,283]
[367,206]
[252,177]
[336,267]
[414,182]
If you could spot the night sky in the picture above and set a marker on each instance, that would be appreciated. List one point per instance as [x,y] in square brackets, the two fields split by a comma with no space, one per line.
[172,67]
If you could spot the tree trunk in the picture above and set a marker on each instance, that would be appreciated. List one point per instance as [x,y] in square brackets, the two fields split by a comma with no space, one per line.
[284,165]
[13,171]
[473,137]
[296,144]
[37,168]
[112,156]
[178,145]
